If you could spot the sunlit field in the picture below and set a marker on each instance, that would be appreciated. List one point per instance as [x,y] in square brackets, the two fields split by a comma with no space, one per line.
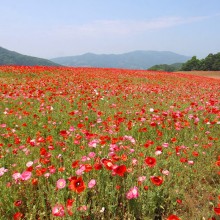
[89,143]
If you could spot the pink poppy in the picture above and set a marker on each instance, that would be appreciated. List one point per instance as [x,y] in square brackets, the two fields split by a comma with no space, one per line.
[2,171]
[61,183]
[16,176]
[141,178]
[58,210]
[26,175]
[92,183]
[82,208]
[132,193]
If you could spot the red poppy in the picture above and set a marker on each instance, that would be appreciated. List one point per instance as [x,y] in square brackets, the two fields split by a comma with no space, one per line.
[117,187]
[156,180]
[18,203]
[183,160]
[124,157]
[77,185]
[159,148]
[217,210]
[173,140]
[88,167]
[179,201]
[150,161]
[40,140]
[107,163]
[18,216]
[148,143]
[69,205]
[64,133]
[49,138]
[34,181]
[97,166]
[142,130]
[41,171]
[43,151]
[195,153]
[61,169]
[146,187]
[70,202]
[75,164]
[115,158]
[173,217]
[29,169]
[120,170]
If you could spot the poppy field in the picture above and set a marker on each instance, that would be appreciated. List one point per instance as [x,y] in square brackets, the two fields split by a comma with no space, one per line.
[93,143]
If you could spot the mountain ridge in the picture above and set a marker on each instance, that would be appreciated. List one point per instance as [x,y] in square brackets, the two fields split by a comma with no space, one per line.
[138,59]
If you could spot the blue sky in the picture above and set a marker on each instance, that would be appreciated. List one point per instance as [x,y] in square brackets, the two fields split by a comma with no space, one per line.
[54,28]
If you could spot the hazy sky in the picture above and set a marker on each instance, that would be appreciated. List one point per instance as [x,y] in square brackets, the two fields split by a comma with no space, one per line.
[53,28]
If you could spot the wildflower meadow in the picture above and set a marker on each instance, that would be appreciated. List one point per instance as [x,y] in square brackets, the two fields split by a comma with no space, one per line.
[111,144]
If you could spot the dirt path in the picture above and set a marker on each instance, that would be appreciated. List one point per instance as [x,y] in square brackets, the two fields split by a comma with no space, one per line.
[210,74]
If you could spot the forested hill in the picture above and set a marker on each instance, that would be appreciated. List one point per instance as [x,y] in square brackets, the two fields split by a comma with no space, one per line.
[8,57]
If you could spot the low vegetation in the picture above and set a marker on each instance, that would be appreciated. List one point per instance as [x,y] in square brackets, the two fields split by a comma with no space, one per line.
[168,68]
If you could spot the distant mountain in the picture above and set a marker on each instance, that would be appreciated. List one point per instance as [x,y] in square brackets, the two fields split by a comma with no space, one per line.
[131,60]
[8,57]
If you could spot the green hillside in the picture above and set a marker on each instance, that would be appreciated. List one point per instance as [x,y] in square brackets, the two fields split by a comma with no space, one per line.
[168,68]
[8,57]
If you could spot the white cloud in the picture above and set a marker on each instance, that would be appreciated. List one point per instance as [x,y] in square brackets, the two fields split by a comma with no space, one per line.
[121,27]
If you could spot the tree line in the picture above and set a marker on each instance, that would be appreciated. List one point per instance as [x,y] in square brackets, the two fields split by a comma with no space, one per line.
[210,63]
